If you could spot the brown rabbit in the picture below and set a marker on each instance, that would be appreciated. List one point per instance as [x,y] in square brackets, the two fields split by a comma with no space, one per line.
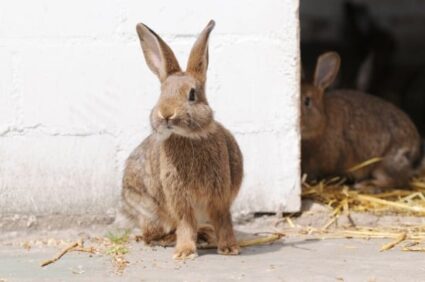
[190,167]
[343,128]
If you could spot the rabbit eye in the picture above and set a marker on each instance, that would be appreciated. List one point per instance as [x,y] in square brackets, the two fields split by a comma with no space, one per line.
[192,95]
[307,101]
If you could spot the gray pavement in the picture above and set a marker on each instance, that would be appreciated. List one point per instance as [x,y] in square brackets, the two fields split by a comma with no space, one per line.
[292,259]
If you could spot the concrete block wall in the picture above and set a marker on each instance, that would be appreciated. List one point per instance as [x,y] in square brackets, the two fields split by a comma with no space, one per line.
[75,95]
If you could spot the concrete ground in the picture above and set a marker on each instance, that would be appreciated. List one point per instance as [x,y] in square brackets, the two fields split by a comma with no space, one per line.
[294,258]
[290,260]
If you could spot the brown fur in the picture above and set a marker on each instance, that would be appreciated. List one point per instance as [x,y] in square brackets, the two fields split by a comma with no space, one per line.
[343,128]
[190,167]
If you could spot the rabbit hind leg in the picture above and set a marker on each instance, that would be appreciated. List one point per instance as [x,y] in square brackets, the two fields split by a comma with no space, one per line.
[385,177]
[156,227]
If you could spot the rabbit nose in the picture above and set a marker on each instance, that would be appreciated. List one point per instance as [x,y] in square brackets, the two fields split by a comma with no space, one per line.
[167,116]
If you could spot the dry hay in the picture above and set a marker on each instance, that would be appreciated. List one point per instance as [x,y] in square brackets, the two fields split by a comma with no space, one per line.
[409,237]
[344,199]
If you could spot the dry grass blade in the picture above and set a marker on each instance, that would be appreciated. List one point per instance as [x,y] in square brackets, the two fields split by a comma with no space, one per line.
[364,164]
[290,222]
[90,250]
[251,242]
[393,194]
[394,243]
[261,241]
[330,222]
[61,254]
[410,249]
[402,206]
[418,184]
[364,234]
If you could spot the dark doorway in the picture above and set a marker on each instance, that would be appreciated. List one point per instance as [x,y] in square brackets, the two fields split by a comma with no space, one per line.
[381,43]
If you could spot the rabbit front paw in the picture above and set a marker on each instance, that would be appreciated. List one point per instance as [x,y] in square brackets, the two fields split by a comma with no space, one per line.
[184,253]
[229,249]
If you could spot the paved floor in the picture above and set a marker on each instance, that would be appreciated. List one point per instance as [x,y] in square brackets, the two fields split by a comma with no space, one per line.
[292,259]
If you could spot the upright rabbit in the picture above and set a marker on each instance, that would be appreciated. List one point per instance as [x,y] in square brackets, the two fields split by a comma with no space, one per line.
[343,128]
[190,167]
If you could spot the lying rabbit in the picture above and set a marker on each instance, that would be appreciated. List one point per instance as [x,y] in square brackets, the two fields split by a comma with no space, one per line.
[343,128]
[190,167]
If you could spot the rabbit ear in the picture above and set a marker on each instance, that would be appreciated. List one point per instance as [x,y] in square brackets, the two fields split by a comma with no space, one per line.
[326,69]
[198,59]
[159,56]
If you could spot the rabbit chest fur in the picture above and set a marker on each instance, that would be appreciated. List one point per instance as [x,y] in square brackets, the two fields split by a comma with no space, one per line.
[196,170]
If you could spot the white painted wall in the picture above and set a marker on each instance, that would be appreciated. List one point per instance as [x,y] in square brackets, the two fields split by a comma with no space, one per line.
[75,95]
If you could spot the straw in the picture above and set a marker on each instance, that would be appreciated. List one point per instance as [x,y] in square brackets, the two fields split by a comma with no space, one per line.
[364,164]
